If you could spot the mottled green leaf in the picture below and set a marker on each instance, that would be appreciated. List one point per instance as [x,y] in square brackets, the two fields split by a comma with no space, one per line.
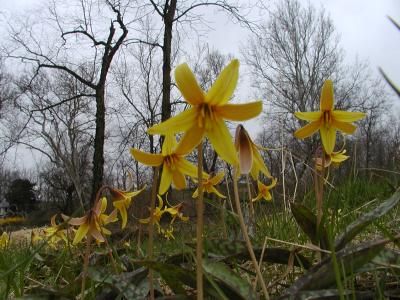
[363,221]
[240,287]
[308,223]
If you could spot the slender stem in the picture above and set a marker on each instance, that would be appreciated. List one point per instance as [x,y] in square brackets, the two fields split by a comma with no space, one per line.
[86,264]
[247,239]
[151,229]
[252,213]
[200,224]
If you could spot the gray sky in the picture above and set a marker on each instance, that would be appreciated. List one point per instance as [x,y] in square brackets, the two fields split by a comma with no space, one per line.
[364,29]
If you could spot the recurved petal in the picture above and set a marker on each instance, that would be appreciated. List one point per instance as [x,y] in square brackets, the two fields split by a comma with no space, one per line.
[187,84]
[217,178]
[328,137]
[196,193]
[74,221]
[223,88]
[344,127]
[258,162]
[190,139]
[169,144]
[181,122]
[267,195]
[273,183]
[96,234]
[166,179]
[187,168]
[147,159]
[307,130]
[257,198]
[124,215]
[178,179]
[309,116]
[216,192]
[239,112]
[81,233]
[339,157]
[347,116]
[327,97]
[221,140]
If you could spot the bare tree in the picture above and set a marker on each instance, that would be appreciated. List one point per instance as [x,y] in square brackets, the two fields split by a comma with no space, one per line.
[80,31]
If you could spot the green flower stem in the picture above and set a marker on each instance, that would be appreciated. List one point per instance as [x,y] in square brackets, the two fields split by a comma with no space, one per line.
[200,224]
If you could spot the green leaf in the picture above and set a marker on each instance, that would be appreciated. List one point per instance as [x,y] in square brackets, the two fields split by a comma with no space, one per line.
[350,261]
[131,285]
[354,228]
[240,287]
[308,223]
[227,250]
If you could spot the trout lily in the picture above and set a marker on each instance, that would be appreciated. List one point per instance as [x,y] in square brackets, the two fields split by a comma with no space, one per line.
[175,166]
[250,159]
[157,214]
[208,111]
[327,120]
[93,222]
[209,185]
[263,191]
[334,159]
[55,233]
[122,201]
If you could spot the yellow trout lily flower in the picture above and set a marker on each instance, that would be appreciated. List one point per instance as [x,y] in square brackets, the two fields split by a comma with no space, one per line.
[175,166]
[250,159]
[263,191]
[157,213]
[208,111]
[327,120]
[93,222]
[175,212]
[55,233]
[334,159]
[4,240]
[122,201]
[209,185]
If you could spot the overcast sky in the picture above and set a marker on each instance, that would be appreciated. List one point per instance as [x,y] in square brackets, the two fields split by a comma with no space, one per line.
[363,26]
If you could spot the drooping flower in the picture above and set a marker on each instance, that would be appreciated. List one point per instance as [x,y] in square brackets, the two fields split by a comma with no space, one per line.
[208,111]
[327,120]
[263,191]
[93,222]
[250,159]
[157,213]
[175,166]
[55,233]
[334,159]
[4,240]
[175,212]
[122,201]
[209,185]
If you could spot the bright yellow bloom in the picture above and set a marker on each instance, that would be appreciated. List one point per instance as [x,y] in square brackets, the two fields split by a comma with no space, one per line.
[209,185]
[55,233]
[93,222]
[175,212]
[327,120]
[4,240]
[175,166]
[250,159]
[263,191]
[35,237]
[168,233]
[122,201]
[208,110]
[157,213]
[334,159]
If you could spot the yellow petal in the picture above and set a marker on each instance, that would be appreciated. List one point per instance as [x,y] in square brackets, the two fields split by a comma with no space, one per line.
[267,195]
[328,137]
[178,179]
[223,88]
[188,85]
[160,202]
[243,146]
[96,234]
[221,140]
[181,122]
[217,178]
[124,215]
[169,144]
[338,158]
[196,193]
[239,112]
[111,218]
[81,233]
[103,204]
[347,116]
[166,179]
[147,159]
[344,127]
[327,97]
[307,130]
[145,221]
[273,183]
[190,139]
[187,168]
[309,116]
[259,196]
[215,191]
[258,162]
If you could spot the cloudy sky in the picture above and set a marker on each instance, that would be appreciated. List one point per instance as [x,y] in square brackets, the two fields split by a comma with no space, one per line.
[363,26]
